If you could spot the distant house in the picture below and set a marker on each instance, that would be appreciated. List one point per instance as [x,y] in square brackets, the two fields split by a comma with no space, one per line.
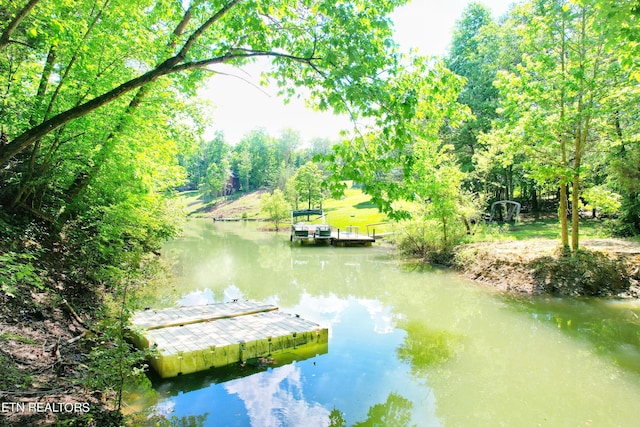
[232,185]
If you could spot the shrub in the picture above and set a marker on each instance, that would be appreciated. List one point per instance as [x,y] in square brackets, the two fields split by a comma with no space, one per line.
[423,238]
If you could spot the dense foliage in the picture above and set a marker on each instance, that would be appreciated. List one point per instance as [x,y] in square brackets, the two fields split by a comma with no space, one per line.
[275,207]
[538,107]
[552,91]
[565,99]
[99,124]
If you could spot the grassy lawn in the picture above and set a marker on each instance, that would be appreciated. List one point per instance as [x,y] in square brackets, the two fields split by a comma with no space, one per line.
[237,205]
[550,229]
[354,209]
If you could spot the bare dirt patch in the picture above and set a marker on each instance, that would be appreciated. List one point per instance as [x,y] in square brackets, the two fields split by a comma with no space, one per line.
[515,265]
[42,366]
[247,206]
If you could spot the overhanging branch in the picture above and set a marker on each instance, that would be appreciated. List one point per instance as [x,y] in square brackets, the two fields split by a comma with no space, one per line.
[239,53]
[169,66]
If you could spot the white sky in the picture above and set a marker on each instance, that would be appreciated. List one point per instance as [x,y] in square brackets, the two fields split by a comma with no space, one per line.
[241,105]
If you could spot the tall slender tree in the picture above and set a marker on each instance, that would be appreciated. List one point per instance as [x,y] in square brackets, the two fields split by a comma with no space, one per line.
[470,58]
[551,99]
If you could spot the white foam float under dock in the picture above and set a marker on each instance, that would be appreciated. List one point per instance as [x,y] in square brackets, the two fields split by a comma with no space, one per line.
[197,338]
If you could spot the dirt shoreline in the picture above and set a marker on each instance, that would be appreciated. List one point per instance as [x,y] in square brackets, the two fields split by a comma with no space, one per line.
[508,265]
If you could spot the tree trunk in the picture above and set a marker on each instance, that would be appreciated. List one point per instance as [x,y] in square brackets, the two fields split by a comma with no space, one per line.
[445,236]
[35,133]
[535,208]
[26,186]
[44,84]
[562,213]
[564,225]
[575,213]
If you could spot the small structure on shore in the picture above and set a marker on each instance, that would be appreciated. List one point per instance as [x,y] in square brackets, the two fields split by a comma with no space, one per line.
[508,210]
[197,338]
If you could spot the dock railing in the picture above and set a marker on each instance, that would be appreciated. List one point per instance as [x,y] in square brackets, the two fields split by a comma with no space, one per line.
[379,229]
[353,230]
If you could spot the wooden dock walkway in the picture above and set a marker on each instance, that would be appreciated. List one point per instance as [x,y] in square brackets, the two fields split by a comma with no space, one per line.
[350,238]
[193,339]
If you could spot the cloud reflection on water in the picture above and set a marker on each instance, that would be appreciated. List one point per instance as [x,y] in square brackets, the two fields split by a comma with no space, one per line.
[276,398]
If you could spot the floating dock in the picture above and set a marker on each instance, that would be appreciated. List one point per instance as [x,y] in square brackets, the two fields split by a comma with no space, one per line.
[194,339]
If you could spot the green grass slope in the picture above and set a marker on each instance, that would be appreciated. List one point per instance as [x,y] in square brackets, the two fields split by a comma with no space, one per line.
[353,209]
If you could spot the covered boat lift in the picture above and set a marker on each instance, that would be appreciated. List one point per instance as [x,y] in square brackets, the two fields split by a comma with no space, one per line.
[305,232]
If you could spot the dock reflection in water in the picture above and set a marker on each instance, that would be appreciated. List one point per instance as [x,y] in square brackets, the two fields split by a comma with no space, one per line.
[171,387]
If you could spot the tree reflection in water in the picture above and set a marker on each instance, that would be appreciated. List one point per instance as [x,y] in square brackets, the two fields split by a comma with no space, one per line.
[424,348]
[395,412]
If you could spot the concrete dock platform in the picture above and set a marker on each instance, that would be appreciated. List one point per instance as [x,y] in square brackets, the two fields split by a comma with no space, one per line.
[193,339]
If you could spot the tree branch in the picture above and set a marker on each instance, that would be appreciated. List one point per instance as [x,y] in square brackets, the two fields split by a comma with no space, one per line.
[204,27]
[239,53]
[83,179]
[31,135]
[167,67]
[246,80]
[4,38]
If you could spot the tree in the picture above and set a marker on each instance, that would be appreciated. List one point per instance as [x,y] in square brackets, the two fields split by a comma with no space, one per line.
[285,145]
[291,193]
[214,184]
[72,108]
[620,22]
[437,185]
[261,148]
[387,161]
[469,57]
[244,167]
[403,162]
[312,45]
[275,207]
[623,158]
[199,156]
[308,184]
[550,101]
[321,146]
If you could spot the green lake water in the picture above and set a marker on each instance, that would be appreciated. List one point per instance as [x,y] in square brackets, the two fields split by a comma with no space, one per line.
[409,344]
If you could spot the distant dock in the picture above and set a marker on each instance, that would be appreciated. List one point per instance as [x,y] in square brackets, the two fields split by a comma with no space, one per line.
[335,238]
[194,339]
[322,233]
